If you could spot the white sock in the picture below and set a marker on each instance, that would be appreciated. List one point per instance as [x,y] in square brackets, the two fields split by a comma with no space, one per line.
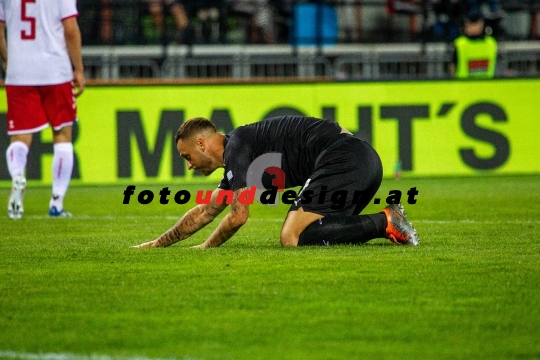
[16,155]
[62,167]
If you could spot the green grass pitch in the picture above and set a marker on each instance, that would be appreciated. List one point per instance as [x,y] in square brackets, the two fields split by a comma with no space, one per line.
[73,288]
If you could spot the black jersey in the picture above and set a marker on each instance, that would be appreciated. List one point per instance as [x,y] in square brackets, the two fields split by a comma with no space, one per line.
[299,140]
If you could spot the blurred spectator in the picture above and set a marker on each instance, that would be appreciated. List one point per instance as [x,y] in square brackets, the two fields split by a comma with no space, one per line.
[493,7]
[106,32]
[403,6]
[447,17]
[159,8]
[492,12]
[109,22]
[349,15]
[205,18]
[411,8]
[96,22]
[533,26]
[282,23]
[475,53]
[260,16]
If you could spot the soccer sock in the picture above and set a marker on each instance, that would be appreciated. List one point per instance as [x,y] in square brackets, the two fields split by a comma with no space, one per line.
[62,167]
[335,229]
[16,155]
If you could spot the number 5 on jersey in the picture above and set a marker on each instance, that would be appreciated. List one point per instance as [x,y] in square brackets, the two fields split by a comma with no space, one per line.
[32,20]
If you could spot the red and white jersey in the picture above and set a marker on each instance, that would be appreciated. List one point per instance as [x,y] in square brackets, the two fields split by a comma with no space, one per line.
[37,51]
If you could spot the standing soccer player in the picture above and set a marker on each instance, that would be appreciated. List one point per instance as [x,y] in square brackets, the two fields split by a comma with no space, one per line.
[44,74]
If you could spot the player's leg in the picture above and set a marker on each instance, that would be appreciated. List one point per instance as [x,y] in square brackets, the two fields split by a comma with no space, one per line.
[391,224]
[60,110]
[335,229]
[24,117]
[303,227]
[306,228]
[295,223]
[346,179]
[16,158]
[17,153]
[62,168]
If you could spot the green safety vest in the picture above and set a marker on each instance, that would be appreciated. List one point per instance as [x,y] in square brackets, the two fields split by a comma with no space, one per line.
[475,57]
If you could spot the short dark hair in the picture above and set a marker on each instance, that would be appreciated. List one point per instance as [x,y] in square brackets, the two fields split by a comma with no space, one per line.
[474,16]
[193,126]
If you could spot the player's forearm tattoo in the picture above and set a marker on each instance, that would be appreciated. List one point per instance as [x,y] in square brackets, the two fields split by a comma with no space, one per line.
[231,223]
[184,228]
[224,232]
[170,237]
[190,223]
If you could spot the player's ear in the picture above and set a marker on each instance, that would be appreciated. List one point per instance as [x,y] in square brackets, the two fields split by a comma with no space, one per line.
[201,143]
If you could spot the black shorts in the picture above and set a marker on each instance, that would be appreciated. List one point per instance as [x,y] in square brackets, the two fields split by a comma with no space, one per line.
[346,177]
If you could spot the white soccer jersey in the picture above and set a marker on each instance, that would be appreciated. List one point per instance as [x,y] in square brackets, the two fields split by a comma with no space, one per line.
[37,52]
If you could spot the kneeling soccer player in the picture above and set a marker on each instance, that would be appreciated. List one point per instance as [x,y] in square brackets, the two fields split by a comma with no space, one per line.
[317,154]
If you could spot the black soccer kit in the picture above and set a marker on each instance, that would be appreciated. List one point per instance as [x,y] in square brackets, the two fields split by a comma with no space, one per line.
[339,173]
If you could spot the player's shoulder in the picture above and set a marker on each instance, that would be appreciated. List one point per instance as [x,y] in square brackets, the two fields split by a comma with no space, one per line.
[235,140]
[240,134]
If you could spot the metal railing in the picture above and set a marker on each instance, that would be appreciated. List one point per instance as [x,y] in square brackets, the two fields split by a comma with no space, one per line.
[362,52]
[339,62]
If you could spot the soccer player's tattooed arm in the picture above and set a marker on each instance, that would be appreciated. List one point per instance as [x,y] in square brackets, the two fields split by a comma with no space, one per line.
[230,224]
[192,221]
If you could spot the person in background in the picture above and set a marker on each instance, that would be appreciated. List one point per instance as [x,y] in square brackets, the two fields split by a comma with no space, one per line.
[475,53]
[205,20]
[261,20]
[44,74]
[493,7]
[158,9]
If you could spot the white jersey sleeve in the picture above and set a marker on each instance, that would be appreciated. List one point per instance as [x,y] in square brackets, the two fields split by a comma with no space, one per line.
[69,8]
[37,51]
[2,12]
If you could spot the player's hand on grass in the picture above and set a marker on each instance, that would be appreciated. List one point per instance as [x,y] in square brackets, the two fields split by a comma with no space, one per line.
[153,243]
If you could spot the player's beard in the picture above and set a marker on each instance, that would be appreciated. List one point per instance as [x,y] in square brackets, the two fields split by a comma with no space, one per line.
[206,167]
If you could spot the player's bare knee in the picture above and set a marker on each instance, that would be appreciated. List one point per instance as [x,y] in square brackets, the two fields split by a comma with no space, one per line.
[62,135]
[288,239]
[25,138]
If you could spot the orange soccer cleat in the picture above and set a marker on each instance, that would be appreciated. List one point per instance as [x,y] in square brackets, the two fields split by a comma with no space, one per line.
[399,230]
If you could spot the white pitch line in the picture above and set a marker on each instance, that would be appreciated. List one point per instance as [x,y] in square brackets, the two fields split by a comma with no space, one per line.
[104,217]
[127,217]
[277,220]
[7,354]
[472,221]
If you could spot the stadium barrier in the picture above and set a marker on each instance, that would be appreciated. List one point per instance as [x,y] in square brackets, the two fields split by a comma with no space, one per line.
[435,128]
[341,62]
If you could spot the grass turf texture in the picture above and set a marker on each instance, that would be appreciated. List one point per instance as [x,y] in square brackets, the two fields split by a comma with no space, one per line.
[470,290]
